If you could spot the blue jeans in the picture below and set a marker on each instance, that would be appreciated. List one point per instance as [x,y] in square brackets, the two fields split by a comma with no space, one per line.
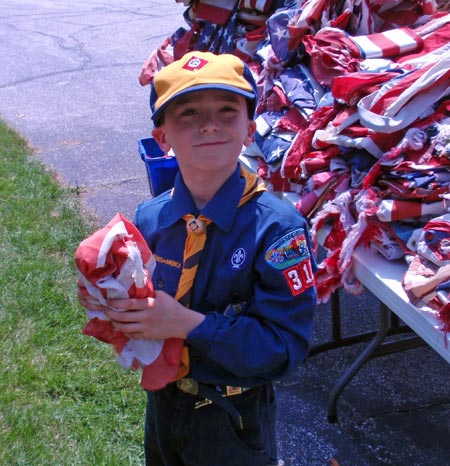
[177,434]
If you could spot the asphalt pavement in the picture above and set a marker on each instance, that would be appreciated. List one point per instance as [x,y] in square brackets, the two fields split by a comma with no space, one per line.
[69,84]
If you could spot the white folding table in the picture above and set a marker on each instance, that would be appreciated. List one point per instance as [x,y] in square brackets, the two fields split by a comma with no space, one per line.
[383,278]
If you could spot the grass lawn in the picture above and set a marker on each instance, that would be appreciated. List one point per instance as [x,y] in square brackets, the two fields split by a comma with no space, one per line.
[63,398]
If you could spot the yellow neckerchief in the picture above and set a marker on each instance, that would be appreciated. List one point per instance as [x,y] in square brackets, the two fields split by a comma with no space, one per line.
[253,185]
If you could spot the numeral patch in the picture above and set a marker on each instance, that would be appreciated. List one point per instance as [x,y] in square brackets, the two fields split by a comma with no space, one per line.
[299,277]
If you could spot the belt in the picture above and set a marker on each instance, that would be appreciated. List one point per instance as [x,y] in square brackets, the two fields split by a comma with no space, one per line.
[213,394]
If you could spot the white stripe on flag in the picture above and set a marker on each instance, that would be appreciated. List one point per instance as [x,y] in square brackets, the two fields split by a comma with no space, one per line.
[367,48]
[117,231]
[403,40]
[261,5]
[311,11]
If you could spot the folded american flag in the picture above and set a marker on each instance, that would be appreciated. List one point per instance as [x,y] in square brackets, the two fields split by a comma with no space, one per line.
[115,262]
[214,11]
[260,5]
[393,43]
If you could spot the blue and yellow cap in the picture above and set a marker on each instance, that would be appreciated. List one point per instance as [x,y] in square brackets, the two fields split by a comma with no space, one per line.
[198,71]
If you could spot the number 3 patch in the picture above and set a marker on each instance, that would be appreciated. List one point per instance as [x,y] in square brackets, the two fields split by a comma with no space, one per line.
[299,277]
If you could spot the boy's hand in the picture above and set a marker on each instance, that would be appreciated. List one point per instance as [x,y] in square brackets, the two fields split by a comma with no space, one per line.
[88,301]
[152,318]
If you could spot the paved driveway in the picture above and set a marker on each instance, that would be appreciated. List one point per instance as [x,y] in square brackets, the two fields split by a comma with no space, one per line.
[68,83]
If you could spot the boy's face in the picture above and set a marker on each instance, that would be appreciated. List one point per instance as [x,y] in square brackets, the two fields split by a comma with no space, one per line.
[206,130]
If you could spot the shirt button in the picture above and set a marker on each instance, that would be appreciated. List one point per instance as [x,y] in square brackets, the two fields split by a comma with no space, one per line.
[197,359]
[160,284]
[235,296]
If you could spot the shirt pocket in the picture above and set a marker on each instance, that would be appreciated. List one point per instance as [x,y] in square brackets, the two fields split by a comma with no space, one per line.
[231,295]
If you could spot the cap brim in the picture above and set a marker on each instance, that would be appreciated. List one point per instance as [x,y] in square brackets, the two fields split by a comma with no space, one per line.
[202,87]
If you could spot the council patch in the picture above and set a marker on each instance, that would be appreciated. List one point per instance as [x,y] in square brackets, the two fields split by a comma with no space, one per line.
[288,251]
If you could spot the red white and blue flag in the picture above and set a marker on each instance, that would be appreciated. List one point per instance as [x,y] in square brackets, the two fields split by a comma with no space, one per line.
[115,262]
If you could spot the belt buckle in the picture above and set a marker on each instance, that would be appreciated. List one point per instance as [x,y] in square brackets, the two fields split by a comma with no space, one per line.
[231,391]
[202,403]
[189,386]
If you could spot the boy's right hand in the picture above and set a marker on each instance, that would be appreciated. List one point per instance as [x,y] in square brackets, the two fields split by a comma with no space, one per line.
[88,301]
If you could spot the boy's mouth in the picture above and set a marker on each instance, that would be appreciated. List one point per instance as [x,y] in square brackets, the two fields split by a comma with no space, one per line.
[210,143]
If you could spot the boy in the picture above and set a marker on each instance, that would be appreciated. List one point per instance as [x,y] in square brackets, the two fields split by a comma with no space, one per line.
[247,319]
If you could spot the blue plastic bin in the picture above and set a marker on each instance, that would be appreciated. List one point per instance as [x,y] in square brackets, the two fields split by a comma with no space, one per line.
[161,168]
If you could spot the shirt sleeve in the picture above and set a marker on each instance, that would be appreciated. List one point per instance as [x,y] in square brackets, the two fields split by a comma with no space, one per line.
[270,337]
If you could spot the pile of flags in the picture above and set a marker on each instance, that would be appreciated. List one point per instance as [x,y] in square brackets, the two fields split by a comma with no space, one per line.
[354,116]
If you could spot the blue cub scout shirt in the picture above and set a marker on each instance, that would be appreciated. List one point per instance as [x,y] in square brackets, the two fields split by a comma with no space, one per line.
[254,282]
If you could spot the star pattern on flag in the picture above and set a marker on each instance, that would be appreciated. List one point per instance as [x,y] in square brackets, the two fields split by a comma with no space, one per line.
[280,38]
[277,152]
[217,39]
[280,33]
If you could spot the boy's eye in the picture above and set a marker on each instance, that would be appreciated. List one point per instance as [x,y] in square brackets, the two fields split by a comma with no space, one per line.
[187,111]
[229,108]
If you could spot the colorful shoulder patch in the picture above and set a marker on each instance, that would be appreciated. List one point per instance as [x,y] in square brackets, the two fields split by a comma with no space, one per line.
[290,254]
[289,250]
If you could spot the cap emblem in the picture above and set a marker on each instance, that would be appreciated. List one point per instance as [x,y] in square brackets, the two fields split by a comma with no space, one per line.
[195,64]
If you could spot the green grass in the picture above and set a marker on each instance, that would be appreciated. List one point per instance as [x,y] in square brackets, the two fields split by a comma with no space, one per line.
[63,398]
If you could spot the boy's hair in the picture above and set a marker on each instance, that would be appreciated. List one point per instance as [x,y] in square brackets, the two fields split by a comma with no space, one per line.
[198,71]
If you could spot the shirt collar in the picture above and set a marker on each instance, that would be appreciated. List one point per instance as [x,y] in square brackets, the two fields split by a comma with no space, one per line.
[221,209]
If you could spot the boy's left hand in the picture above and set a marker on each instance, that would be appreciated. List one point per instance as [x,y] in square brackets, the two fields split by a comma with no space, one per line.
[160,317]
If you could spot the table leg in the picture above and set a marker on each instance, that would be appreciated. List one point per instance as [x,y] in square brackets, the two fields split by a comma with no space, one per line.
[338,340]
[375,343]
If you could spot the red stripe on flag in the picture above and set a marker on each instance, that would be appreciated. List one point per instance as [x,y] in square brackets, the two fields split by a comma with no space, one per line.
[214,13]
[388,46]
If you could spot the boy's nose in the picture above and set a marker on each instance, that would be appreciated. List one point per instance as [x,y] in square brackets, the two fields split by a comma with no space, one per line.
[208,123]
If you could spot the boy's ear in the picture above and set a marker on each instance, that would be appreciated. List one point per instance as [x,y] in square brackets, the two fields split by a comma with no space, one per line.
[251,128]
[160,137]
